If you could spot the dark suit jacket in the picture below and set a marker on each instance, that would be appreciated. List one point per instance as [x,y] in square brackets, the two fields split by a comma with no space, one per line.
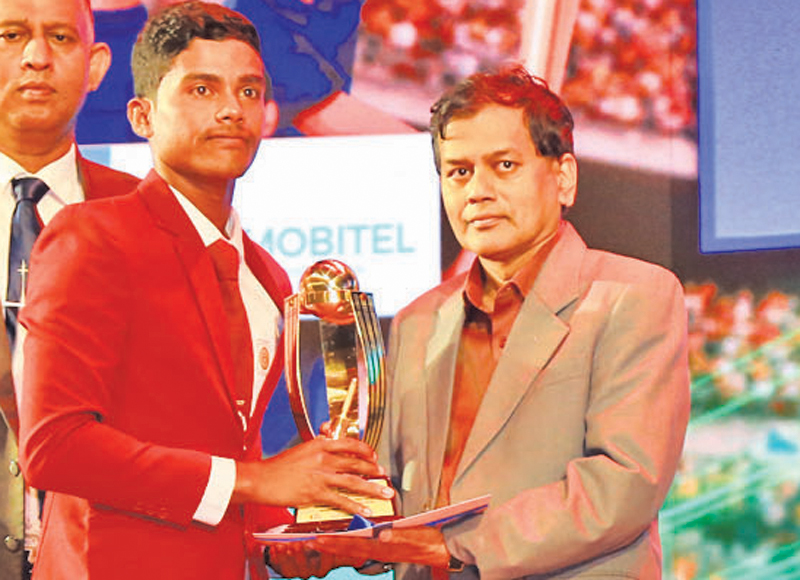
[579,432]
[98,181]
[129,391]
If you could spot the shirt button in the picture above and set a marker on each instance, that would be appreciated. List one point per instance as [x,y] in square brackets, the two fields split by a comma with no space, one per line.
[13,468]
[12,544]
[263,358]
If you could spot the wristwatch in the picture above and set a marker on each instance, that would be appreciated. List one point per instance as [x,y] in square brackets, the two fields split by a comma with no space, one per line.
[455,565]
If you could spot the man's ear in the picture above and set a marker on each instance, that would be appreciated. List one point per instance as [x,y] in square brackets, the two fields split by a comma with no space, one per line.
[567,179]
[99,61]
[140,116]
[271,116]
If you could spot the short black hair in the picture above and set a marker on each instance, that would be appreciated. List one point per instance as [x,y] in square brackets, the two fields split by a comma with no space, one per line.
[549,121]
[170,31]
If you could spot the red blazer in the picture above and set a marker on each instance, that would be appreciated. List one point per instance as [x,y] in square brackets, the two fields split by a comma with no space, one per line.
[129,389]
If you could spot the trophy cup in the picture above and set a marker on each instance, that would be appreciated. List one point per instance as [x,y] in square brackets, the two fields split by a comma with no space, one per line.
[355,379]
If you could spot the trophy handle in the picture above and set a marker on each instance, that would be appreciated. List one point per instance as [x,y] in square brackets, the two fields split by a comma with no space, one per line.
[371,341]
[294,383]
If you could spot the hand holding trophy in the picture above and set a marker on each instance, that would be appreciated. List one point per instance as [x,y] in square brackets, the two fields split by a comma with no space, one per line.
[354,364]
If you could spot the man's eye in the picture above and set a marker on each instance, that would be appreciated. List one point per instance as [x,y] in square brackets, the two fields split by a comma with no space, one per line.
[506,164]
[10,36]
[201,90]
[251,93]
[62,37]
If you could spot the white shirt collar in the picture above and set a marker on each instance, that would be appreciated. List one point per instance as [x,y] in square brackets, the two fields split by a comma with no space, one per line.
[61,176]
[208,231]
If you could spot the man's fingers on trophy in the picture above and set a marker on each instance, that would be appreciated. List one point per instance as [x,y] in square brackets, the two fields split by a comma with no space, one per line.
[356,465]
[335,494]
[359,485]
[365,464]
[352,507]
[351,447]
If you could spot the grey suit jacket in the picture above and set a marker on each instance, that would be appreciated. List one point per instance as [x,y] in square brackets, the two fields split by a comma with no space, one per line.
[579,433]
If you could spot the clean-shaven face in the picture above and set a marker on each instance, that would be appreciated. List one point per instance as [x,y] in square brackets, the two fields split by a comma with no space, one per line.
[502,198]
[45,53]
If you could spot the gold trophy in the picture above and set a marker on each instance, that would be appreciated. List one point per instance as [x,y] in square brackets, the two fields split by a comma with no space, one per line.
[354,367]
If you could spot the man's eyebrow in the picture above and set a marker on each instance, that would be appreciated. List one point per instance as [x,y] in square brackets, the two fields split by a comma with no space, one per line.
[197,76]
[56,25]
[19,22]
[210,77]
[454,160]
[490,155]
[253,79]
[26,23]
[501,153]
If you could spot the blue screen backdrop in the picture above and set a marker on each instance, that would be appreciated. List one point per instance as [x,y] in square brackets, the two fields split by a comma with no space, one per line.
[749,124]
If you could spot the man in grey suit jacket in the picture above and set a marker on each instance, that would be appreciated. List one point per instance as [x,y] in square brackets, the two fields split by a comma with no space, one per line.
[551,376]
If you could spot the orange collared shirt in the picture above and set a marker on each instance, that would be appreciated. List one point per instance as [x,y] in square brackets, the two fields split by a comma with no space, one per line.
[487,324]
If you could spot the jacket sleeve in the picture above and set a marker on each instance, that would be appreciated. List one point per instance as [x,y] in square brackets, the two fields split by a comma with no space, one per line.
[77,317]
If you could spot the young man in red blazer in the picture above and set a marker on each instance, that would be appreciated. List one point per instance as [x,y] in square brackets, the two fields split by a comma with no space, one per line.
[134,416]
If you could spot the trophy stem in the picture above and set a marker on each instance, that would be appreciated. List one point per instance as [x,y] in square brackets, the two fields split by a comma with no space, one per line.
[348,402]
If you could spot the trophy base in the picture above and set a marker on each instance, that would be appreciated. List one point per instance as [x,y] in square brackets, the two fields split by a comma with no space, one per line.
[328,519]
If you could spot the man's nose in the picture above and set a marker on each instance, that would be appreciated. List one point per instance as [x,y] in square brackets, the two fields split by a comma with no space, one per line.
[480,187]
[37,54]
[230,109]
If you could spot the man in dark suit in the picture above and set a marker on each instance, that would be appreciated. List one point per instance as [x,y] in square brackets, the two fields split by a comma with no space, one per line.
[154,338]
[48,63]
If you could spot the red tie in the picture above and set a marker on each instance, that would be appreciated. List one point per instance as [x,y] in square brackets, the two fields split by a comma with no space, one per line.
[226,263]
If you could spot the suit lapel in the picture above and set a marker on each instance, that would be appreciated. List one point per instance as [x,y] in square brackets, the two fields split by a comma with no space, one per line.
[88,180]
[269,275]
[267,388]
[271,281]
[535,337]
[440,363]
[168,214]
[99,181]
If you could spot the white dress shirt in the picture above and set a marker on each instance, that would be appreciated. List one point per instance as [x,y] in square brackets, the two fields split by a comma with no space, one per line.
[61,176]
[265,325]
